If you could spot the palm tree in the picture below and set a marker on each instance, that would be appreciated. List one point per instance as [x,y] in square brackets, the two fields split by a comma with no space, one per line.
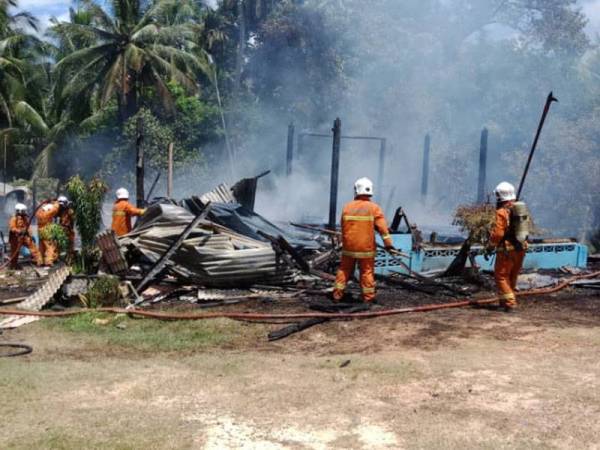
[17,52]
[132,49]
[24,83]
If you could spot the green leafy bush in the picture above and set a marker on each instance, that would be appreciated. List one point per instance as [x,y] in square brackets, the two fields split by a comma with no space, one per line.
[104,292]
[54,232]
[87,203]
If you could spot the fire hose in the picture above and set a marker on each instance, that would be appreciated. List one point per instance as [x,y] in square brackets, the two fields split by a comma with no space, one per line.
[246,316]
[21,349]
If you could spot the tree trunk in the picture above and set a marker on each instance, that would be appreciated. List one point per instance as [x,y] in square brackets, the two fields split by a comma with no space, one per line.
[241,47]
[139,164]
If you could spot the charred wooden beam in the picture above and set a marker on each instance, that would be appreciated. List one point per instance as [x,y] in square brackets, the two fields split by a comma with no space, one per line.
[139,163]
[285,245]
[483,146]
[335,171]
[152,188]
[294,328]
[425,174]
[162,261]
[381,169]
[303,325]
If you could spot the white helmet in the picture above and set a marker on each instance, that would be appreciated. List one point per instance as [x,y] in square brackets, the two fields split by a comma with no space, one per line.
[20,208]
[122,193]
[505,192]
[62,200]
[363,186]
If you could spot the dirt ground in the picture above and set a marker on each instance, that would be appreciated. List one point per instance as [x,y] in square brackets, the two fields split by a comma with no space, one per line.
[469,378]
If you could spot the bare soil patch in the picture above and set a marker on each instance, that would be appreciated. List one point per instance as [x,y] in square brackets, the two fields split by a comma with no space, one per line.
[468,378]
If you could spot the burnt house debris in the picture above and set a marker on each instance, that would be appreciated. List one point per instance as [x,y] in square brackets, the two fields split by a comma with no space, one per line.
[214,240]
[214,250]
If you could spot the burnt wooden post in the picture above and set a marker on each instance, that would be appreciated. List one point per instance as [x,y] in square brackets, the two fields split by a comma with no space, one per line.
[482,166]
[425,175]
[335,170]
[139,163]
[380,171]
[290,149]
[170,171]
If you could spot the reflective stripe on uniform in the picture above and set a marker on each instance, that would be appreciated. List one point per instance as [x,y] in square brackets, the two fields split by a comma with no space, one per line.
[339,286]
[359,218]
[368,290]
[386,236]
[506,247]
[119,213]
[359,254]
[509,296]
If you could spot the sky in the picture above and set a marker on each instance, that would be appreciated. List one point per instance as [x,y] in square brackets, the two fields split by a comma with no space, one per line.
[45,9]
[591,8]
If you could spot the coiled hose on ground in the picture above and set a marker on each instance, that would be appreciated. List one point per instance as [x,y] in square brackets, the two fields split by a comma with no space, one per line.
[247,316]
[22,349]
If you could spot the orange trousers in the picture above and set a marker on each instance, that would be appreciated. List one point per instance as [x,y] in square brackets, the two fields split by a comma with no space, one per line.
[49,252]
[366,268]
[506,271]
[16,242]
[71,249]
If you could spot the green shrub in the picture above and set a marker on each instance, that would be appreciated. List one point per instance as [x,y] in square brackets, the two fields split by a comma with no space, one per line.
[54,232]
[87,203]
[104,292]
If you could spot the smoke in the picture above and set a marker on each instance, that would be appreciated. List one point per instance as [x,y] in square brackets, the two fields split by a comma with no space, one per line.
[401,70]
[447,68]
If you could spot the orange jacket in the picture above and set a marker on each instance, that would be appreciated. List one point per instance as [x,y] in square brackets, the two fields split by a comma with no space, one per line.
[500,229]
[66,218]
[360,218]
[500,226]
[18,224]
[46,214]
[123,211]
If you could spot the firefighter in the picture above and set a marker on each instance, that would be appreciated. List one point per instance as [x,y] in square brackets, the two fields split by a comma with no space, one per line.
[509,239]
[66,219]
[123,211]
[360,218]
[20,235]
[45,215]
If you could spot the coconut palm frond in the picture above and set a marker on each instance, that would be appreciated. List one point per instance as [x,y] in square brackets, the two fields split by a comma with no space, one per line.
[26,115]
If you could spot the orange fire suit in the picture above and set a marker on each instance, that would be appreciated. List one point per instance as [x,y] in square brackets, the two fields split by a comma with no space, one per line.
[20,235]
[66,219]
[360,218]
[509,256]
[123,211]
[45,216]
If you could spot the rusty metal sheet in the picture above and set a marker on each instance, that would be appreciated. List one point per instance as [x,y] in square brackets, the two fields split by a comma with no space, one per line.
[111,252]
[38,299]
